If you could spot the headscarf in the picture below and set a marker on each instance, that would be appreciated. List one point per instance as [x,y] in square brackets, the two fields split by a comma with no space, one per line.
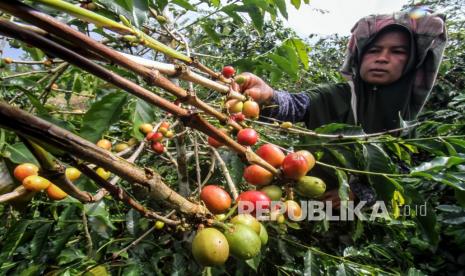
[381,108]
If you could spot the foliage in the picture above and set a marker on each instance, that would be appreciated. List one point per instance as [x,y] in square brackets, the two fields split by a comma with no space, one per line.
[423,173]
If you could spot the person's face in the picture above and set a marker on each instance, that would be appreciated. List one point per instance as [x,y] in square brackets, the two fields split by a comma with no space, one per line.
[384,61]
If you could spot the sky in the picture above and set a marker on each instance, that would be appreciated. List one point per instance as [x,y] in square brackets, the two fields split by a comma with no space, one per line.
[340,17]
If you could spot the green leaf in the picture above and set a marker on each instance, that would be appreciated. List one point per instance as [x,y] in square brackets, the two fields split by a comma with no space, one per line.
[301,50]
[42,112]
[31,270]
[340,129]
[428,225]
[215,3]
[19,153]
[415,272]
[61,238]
[310,265]
[184,4]
[377,160]
[257,17]
[98,210]
[344,188]
[282,7]
[77,85]
[102,115]
[296,3]
[69,255]
[453,179]
[142,113]
[208,28]
[437,164]
[254,262]
[39,240]
[460,196]
[135,11]
[13,238]
[283,64]
[127,4]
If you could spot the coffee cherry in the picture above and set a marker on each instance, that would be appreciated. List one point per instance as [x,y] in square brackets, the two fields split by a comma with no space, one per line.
[228,71]
[103,173]
[271,154]
[286,125]
[213,142]
[158,147]
[295,166]
[163,130]
[234,106]
[120,147]
[258,176]
[165,125]
[35,183]
[56,193]
[104,144]
[8,60]
[24,170]
[169,134]
[132,141]
[238,117]
[159,224]
[309,157]
[145,128]
[154,137]
[72,173]
[247,137]
[47,62]
[251,109]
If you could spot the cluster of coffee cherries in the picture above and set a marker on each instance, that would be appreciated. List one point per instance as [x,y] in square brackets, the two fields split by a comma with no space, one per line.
[28,175]
[156,137]
[241,236]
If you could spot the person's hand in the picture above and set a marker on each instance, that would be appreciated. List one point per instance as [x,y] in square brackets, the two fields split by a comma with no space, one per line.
[255,87]
[333,196]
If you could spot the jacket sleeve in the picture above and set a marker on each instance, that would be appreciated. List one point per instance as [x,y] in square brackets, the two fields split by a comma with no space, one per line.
[292,107]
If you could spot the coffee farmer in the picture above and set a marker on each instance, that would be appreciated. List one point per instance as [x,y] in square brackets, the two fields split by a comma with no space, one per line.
[391,64]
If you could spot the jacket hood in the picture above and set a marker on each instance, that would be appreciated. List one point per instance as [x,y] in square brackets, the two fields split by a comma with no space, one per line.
[381,108]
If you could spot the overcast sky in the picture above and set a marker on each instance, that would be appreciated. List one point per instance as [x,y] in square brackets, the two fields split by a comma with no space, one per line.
[341,16]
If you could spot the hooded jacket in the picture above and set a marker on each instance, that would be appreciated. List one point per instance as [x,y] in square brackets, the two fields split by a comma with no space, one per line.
[356,102]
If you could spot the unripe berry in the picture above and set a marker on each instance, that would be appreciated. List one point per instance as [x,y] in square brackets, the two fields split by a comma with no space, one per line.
[104,144]
[24,170]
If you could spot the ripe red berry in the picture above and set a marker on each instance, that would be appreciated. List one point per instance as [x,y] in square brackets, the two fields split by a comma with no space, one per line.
[258,176]
[215,198]
[213,142]
[256,198]
[295,166]
[154,137]
[247,137]
[158,147]
[271,154]
[228,71]
[238,117]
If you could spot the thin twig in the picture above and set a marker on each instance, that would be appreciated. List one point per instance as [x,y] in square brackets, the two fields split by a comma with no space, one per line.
[90,244]
[138,240]
[227,175]
[16,193]
[25,74]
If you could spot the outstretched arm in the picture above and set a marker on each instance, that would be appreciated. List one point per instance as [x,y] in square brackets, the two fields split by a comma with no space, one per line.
[280,105]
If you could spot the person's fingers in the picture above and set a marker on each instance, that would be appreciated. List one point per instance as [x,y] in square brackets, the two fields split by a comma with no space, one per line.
[255,93]
[243,80]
